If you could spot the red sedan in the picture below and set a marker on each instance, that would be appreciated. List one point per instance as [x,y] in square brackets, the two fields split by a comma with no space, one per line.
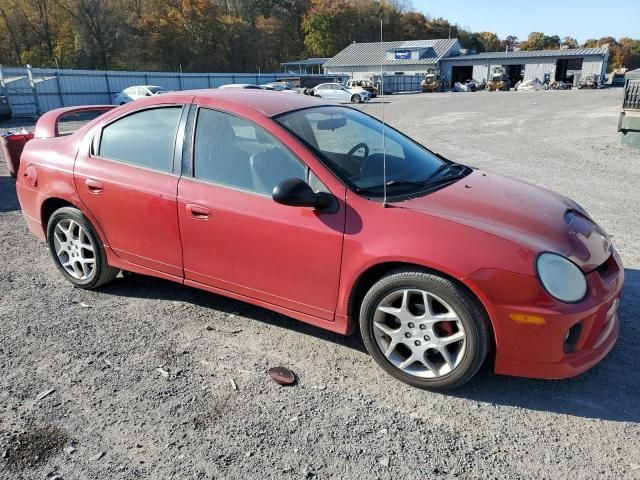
[320,212]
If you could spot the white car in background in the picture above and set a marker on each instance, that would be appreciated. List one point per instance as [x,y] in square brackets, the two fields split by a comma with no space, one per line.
[138,91]
[244,86]
[339,93]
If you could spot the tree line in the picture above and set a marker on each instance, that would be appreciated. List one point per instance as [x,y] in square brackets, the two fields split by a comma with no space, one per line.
[233,35]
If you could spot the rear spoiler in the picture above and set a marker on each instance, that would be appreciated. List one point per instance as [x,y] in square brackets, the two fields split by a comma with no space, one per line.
[47,126]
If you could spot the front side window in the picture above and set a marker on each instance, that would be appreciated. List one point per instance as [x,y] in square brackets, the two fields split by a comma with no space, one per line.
[352,145]
[235,152]
[145,138]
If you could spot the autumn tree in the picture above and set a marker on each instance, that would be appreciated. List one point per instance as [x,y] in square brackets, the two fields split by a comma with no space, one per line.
[510,43]
[327,26]
[490,41]
[98,23]
[232,35]
[569,42]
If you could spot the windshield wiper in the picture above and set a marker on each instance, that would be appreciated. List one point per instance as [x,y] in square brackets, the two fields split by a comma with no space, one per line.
[445,168]
[391,183]
[432,180]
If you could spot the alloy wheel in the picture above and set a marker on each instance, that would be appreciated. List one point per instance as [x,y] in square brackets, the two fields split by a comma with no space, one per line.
[419,333]
[74,249]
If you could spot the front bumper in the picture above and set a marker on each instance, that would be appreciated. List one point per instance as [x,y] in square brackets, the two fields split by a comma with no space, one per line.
[541,350]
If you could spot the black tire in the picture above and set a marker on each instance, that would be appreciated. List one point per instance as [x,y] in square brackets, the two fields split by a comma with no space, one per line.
[102,273]
[355,98]
[472,317]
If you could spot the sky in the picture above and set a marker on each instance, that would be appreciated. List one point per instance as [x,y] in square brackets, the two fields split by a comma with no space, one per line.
[581,19]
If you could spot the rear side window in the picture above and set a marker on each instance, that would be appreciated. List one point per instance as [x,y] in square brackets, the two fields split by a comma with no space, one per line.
[145,138]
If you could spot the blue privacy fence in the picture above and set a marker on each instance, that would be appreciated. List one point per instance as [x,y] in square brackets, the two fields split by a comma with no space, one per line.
[33,91]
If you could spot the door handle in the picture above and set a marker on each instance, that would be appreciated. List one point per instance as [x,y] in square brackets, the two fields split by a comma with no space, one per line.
[93,186]
[198,211]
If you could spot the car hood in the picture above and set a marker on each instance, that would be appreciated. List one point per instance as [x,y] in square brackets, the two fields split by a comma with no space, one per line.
[523,213]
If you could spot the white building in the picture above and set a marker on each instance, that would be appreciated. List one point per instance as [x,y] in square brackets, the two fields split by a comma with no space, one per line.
[563,64]
[416,58]
[363,60]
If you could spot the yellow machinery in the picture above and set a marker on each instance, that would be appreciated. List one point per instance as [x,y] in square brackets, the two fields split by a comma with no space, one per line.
[498,80]
[431,82]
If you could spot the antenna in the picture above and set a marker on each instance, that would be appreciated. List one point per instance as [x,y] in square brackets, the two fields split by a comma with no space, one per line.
[384,149]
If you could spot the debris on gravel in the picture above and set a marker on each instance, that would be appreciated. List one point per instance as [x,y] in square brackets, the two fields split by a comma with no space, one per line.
[97,456]
[281,375]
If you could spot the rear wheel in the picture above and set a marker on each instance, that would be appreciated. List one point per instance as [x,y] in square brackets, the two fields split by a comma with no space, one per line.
[77,250]
[424,330]
[356,98]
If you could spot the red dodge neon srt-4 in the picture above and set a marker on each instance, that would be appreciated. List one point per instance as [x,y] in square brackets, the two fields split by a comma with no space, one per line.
[280,201]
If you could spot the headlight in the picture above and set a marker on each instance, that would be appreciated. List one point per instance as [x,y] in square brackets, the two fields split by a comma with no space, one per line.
[561,278]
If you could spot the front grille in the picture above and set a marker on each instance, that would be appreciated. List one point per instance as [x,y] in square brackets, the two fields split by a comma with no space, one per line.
[632,95]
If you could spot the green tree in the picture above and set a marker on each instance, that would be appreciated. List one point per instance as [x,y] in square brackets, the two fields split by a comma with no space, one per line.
[540,41]
[490,41]
[327,26]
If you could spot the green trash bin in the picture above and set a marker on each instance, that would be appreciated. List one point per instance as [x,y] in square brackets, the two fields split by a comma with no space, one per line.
[629,123]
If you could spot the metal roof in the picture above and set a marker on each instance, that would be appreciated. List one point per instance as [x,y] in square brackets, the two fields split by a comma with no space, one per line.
[632,74]
[566,52]
[308,61]
[366,54]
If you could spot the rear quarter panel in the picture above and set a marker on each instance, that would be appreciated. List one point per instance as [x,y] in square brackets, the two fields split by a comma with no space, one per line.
[46,171]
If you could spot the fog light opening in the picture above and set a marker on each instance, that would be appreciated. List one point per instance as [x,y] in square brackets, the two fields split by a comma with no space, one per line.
[571,338]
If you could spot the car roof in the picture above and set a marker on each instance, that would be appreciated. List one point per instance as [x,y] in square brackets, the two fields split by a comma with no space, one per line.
[268,103]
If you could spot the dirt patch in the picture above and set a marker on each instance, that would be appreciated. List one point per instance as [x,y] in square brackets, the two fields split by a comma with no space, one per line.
[30,449]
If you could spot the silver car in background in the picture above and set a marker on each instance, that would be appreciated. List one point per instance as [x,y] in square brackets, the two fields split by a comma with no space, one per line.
[339,93]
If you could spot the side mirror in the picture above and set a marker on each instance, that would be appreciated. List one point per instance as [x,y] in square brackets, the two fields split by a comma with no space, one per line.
[147,94]
[297,193]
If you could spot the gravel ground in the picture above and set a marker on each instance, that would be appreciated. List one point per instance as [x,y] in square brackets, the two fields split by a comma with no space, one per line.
[113,414]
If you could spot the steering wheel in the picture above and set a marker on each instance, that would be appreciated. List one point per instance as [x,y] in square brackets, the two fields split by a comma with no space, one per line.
[358,147]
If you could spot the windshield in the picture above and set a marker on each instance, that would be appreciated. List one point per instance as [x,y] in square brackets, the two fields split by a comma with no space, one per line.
[351,144]
[155,90]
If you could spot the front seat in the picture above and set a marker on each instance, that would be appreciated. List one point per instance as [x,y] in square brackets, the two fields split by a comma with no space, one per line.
[271,166]
[224,162]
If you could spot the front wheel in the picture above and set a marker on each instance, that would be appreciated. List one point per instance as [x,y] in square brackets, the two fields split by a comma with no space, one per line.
[424,330]
[356,98]
[77,250]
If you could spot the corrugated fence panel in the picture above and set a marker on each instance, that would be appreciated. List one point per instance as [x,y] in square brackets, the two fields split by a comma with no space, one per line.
[190,82]
[118,82]
[57,88]
[168,82]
